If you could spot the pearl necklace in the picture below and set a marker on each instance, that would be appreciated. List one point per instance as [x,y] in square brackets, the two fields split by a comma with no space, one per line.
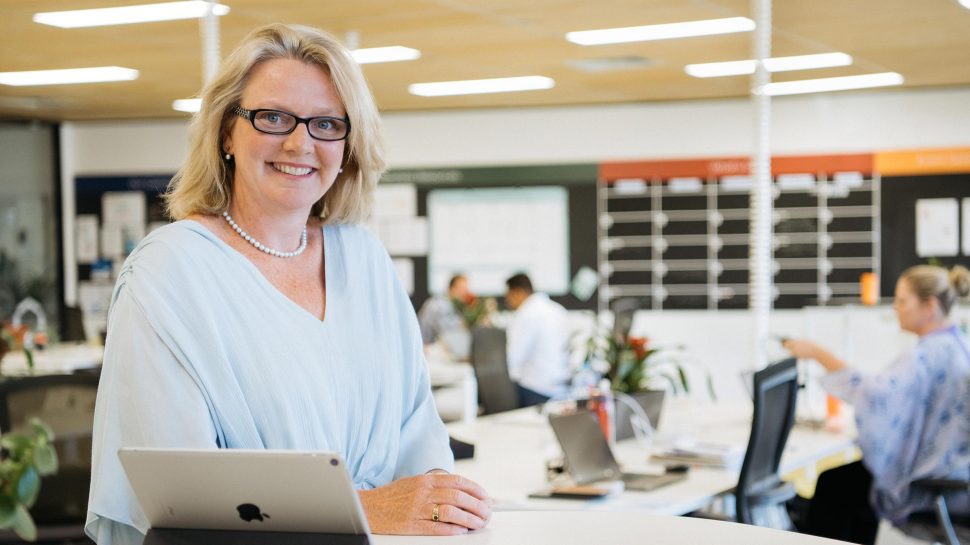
[259,245]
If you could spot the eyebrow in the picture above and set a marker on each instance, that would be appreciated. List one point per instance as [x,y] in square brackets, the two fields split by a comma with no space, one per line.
[328,112]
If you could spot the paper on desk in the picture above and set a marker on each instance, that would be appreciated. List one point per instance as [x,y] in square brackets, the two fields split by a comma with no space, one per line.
[702,453]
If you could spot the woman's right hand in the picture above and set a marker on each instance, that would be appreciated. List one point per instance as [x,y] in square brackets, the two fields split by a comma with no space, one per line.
[801,348]
[806,349]
[407,506]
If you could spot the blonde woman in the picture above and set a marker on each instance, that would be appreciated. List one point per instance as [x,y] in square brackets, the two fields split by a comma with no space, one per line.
[264,317]
[913,419]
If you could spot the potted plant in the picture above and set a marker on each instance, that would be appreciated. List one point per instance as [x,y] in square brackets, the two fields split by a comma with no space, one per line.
[637,368]
[24,460]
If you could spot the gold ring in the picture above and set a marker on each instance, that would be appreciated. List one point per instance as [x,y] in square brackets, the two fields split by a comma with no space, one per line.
[434,513]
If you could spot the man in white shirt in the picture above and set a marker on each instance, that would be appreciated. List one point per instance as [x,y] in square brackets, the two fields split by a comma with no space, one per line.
[538,343]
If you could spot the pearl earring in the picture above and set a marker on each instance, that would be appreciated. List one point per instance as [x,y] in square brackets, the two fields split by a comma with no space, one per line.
[340,171]
[228,157]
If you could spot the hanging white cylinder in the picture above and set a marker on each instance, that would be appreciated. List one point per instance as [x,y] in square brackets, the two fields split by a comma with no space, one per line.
[209,29]
[759,256]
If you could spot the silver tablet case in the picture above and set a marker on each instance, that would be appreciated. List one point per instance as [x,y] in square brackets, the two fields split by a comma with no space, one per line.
[280,491]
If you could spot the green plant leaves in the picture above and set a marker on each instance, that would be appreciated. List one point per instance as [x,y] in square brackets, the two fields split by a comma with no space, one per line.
[27,458]
[45,460]
[28,487]
[7,512]
[23,524]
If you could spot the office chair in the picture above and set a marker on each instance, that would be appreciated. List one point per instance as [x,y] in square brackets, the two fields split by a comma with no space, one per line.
[623,311]
[939,526]
[72,323]
[761,495]
[66,404]
[496,391]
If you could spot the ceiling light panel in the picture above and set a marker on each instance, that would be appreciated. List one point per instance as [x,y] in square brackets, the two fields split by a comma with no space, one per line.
[823,85]
[145,13]
[189,105]
[661,32]
[97,74]
[480,86]
[774,64]
[394,53]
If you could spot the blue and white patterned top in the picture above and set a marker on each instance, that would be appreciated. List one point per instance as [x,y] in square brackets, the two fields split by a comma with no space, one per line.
[913,421]
[204,352]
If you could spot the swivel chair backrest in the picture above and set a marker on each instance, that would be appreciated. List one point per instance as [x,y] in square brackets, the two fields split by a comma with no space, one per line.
[496,391]
[775,390]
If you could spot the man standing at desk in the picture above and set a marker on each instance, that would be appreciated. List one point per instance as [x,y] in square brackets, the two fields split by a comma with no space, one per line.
[538,343]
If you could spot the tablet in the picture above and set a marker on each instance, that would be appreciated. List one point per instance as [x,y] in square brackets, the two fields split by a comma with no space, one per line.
[236,489]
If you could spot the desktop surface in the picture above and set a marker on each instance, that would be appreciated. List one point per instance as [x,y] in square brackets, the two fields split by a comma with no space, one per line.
[613,528]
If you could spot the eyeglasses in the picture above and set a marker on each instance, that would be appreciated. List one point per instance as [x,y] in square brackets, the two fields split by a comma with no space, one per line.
[277,122]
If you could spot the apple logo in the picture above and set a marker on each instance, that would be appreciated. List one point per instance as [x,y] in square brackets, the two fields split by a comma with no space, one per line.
[250,512]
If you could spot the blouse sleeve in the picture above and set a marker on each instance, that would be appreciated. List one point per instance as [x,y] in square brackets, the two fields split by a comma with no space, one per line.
[889,408]
[424,439]
[424,443]
[145,398]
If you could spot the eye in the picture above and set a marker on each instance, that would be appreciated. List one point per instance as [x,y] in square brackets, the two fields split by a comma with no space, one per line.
[324,124]
[273,119]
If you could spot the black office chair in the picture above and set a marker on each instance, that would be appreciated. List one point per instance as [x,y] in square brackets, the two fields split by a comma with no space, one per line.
[939,526]
[761,494]
[72,323]
[496,391]
[66,404]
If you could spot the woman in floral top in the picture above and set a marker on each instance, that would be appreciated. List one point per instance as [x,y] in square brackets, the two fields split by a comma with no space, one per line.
[913,419]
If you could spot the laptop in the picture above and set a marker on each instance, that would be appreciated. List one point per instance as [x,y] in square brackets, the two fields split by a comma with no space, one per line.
[248,490]
[589,458]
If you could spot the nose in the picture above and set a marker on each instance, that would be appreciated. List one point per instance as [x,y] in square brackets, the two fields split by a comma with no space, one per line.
[299,140]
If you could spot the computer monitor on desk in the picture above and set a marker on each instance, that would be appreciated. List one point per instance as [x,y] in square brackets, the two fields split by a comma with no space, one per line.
[589,458]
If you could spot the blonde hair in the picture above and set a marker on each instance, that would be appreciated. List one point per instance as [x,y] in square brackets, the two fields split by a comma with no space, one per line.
[947,287]
[204,183]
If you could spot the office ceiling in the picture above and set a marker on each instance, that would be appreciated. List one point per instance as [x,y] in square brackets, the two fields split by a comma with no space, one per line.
[928,42]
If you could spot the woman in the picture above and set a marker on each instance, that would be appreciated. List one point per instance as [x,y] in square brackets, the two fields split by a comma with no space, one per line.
[265,318]
[913,419]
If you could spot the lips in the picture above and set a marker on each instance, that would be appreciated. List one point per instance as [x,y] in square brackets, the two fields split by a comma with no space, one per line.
[292,170]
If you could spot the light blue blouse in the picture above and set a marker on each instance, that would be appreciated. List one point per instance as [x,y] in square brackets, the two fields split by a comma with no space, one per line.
[913,421]
[204,352]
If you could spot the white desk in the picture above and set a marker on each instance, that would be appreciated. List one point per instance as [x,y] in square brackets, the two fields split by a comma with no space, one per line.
[511,450]
[454,388]
[55,359]
[608,528]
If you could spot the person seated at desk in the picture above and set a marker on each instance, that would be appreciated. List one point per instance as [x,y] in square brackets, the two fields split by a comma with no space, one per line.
[440,313]
[913,419]
[266,317]
[538,343]
[447,318]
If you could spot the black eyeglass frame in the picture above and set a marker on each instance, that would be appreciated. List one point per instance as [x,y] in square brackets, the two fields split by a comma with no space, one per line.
[251,116]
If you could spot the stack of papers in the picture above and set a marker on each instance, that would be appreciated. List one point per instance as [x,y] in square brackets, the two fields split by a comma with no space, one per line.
[702,453]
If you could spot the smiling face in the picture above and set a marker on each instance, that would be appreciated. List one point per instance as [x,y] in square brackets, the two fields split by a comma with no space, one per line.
[290,172]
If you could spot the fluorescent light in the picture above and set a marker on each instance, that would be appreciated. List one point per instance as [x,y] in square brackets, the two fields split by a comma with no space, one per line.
[476,86]
[774,64]
[190,105]
[822,85]
[72,75]
[145,13]
[661,32]
[392,53]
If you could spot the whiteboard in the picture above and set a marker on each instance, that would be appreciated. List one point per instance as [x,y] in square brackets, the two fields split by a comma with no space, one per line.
[490,234]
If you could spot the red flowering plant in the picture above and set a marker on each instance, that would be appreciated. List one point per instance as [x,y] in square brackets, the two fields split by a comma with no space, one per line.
[15,338]
[632,364]
[474,310]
